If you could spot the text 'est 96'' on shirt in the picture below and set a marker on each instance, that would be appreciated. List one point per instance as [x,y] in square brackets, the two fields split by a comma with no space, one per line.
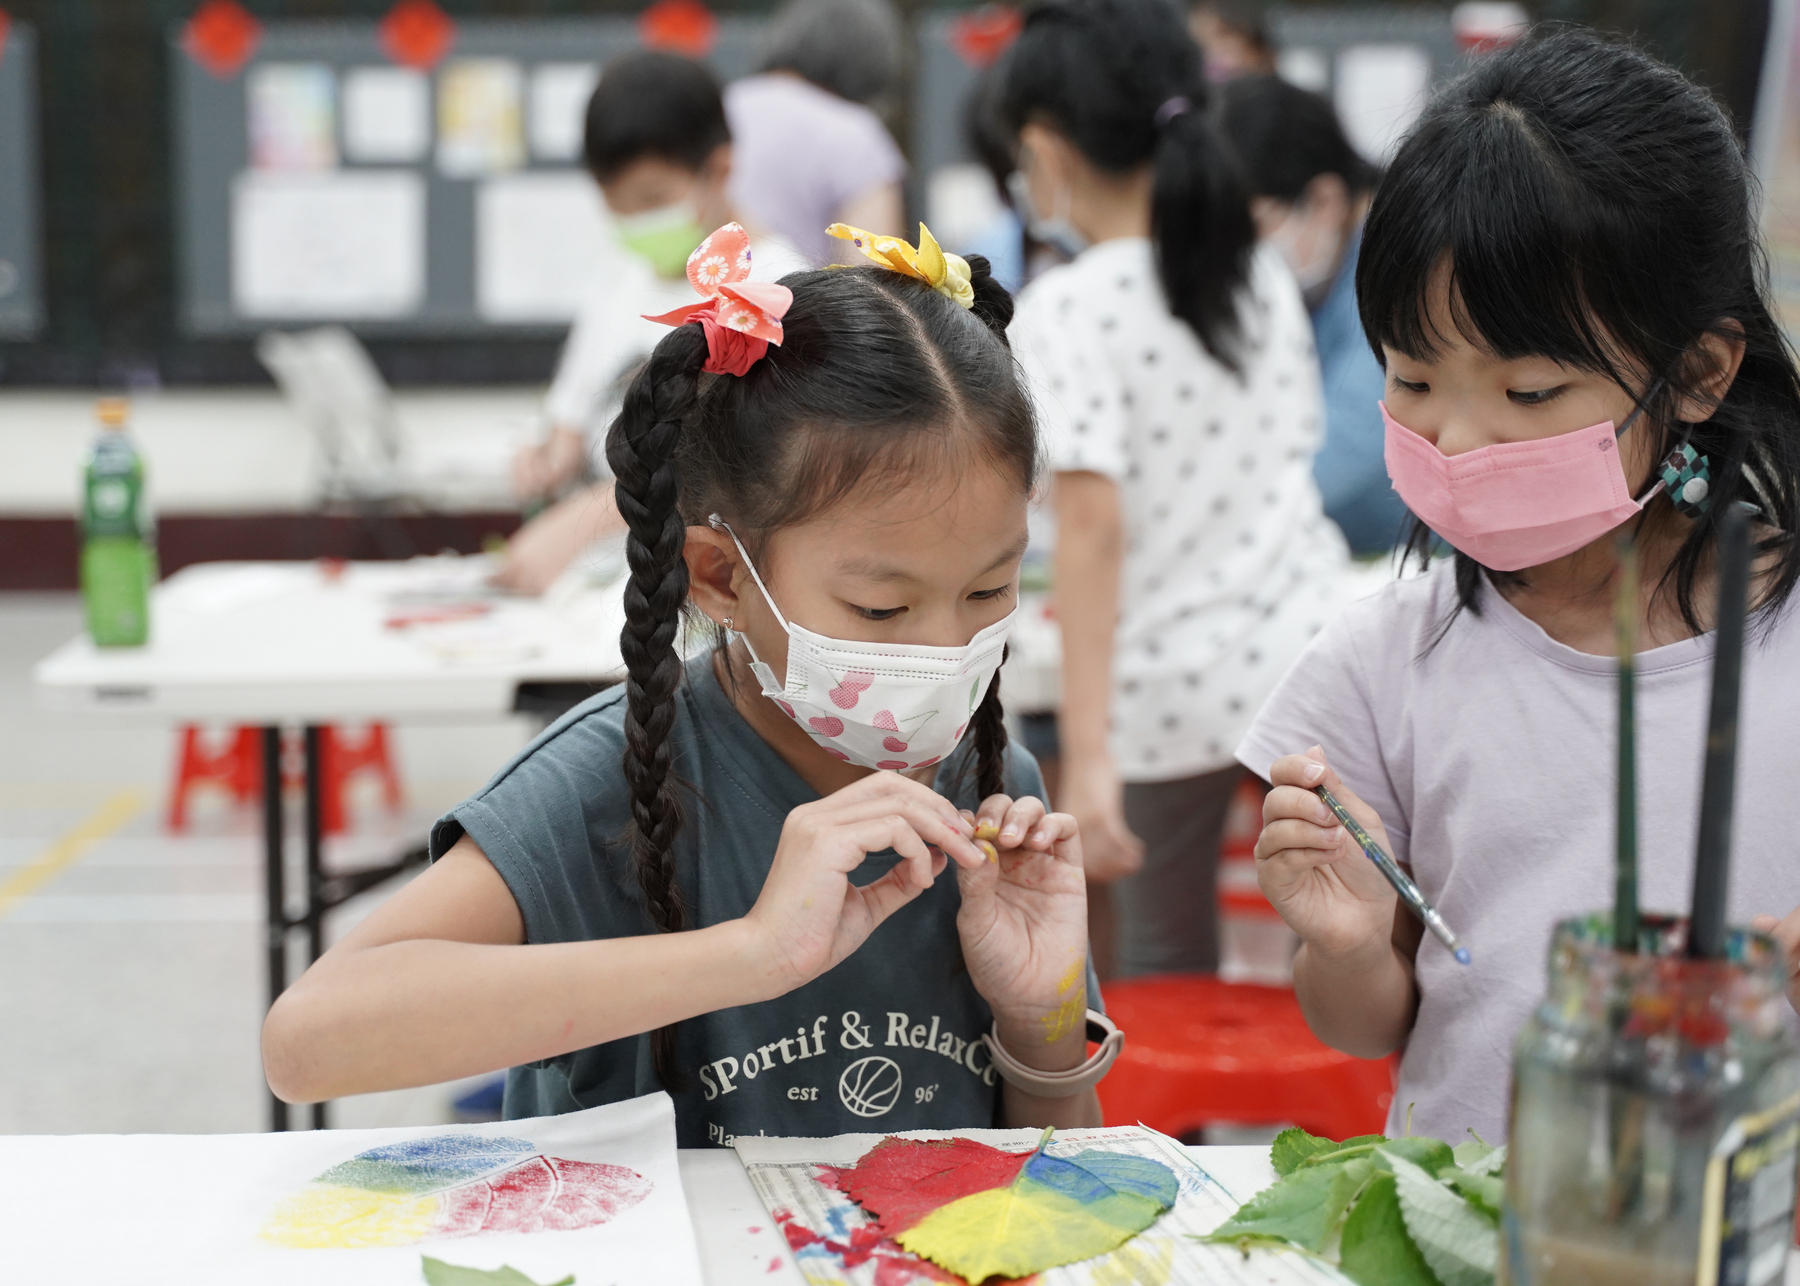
[885,1041]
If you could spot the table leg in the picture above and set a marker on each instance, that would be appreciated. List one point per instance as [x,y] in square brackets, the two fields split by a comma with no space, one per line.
[276,879]
[315,859]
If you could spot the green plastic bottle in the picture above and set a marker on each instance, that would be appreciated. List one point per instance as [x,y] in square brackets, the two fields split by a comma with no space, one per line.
[118,536]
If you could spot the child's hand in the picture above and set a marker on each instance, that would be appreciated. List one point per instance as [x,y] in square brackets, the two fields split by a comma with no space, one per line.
[1311,870]
[1787,933]
[809,915]
[1023,921]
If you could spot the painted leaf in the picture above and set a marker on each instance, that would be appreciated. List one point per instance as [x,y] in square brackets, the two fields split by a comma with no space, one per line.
[1059,1210]
[450,1185]
[900,1181]
[1376,1250]
[979,1211]
[1306,1208]
[1461,1246]
[438,1273]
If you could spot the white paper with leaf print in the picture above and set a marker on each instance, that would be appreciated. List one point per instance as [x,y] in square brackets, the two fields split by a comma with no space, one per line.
[594,1193]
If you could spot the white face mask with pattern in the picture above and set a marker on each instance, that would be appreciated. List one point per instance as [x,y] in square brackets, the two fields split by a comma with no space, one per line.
[880,705]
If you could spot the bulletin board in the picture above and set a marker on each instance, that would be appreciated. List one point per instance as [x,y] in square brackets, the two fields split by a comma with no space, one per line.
[21,272]
[321,181]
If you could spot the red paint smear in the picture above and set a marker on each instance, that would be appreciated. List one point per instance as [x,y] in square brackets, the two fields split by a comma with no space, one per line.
[541,1194]
[900,1181]
[893,1266]
[775,1263]
[685,27]
[221,36]
[416,33]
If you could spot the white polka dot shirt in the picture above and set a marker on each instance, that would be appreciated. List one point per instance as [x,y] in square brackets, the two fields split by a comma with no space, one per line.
[1230,564]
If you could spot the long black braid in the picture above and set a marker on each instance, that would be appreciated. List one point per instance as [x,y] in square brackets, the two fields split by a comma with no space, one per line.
[878,375]
[641,448]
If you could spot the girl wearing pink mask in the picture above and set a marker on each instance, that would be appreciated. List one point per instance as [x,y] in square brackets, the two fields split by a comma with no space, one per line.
[1562,277]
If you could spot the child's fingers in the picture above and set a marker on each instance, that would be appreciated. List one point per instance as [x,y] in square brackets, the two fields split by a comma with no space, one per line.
[1053,833]
[882,897]
[1284,802]
[1021,823]
[1312,844]
[921,815]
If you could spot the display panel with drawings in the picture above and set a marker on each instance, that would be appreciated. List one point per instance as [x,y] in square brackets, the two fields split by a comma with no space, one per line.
[321,181]
[21,280]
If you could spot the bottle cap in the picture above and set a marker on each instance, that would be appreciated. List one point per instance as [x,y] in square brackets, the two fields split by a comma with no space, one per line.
[112,411]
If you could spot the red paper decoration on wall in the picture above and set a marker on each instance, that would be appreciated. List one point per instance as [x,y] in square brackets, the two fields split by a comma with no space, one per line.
[220,36]
[417,34]
[684,27]
[982,35]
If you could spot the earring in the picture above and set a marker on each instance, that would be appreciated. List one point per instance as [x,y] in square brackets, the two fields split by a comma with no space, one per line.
[725,621]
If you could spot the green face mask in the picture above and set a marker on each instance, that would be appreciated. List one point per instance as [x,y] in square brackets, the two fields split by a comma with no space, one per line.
[663,237]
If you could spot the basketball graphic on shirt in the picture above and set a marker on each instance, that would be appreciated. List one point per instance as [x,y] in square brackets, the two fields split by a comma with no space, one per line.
[870,1086]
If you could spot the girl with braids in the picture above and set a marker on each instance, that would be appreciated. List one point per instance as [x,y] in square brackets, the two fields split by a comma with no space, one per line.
[1172,364]
[729,877]
[1560,273]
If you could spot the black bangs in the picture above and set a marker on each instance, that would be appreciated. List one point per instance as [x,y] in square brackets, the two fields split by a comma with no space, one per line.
[1570,197]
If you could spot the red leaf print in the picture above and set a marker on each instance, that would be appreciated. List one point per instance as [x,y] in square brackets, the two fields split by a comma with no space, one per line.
[541,1194]
[900,1181]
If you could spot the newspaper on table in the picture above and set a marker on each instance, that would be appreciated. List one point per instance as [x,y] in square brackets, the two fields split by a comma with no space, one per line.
[834,1244]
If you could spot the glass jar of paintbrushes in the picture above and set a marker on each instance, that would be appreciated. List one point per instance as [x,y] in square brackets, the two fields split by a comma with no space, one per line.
[1653,1115]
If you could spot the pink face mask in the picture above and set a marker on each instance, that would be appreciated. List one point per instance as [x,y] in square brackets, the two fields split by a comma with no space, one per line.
[1516,504]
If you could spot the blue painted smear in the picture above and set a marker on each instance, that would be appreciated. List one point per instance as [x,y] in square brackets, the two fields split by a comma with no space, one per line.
[1092,1175]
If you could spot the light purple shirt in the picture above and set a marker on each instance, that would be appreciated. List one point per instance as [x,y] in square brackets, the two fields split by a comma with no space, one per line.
[799,154]
[1489,755]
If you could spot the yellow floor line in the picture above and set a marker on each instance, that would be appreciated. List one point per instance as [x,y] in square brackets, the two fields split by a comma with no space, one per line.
[111,815]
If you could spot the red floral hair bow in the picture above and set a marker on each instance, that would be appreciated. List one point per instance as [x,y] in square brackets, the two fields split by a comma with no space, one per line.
[741,318]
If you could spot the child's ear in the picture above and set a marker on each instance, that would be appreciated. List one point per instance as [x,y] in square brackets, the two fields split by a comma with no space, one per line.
[712,562]
[1712,363]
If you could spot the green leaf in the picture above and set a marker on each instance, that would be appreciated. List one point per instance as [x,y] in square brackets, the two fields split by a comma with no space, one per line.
[1305,1208]
[1493,1162]
[438,1273]
[1292,1146]
[1430,1155]
[1467,1154]
[1457,1241]
[1376,1250]
[1483,1191]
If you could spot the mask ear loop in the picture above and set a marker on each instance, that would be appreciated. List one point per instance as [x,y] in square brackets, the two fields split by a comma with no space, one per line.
[1684,473]
[764,673]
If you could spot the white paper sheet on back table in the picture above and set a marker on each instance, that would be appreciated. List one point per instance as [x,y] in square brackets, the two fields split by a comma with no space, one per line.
[835,1242]
[595,1194]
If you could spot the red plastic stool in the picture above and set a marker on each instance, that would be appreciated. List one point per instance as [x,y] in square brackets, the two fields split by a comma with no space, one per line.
[1200,1051]
[237,768]
[340,759]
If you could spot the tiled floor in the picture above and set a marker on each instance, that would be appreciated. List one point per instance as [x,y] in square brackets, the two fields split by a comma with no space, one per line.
[132,978]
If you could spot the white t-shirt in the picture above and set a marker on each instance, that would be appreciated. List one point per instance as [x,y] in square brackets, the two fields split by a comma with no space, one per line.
[611,337]
[1230,564]
[1490,758]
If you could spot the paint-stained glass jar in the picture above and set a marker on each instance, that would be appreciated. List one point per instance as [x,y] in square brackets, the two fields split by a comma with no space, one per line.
[1655,1102]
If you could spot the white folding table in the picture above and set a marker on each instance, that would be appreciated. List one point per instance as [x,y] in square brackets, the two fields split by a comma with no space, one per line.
[310,644]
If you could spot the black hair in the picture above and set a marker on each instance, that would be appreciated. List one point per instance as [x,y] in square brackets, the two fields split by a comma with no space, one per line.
[1122,80]
[1593,206]
[850,48]
[1247,18]
[1285,137]
[878,376]
[650,103]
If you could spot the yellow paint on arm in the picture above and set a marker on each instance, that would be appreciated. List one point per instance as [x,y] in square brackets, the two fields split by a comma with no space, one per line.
[1059,1022]
[111,815]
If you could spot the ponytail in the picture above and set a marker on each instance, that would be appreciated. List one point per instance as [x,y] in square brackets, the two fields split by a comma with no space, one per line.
[1123,82]
[1200,221]
[641,447]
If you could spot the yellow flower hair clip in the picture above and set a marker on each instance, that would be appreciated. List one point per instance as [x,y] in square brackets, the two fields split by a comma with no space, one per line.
[945,273]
